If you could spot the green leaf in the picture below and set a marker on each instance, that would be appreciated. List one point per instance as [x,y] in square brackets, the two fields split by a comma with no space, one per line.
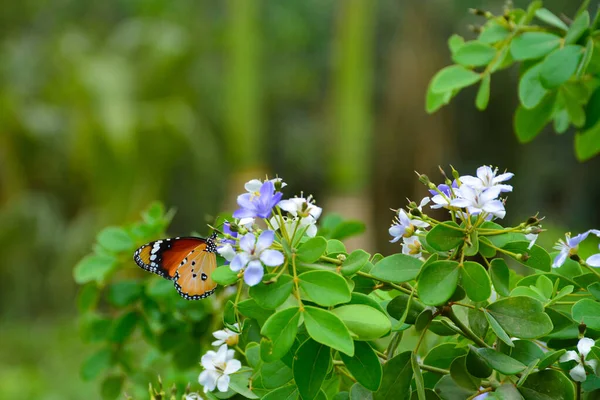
[418,376]
[529,123]
[478,322]
[328,329]
[548,384]
[88,296]
[94,267]
[550,358]
[397,307]
[493,32]
[275,374]
[445,236]
[578,27]
[498,329]
[483,94]
[560,65]
[561,121]
[354,262]
[574,109]
[250,308]
[442,355]
[476,366]
[397,376]
[521,317]
[289,392]
[545,285]
[453,77]
[124,327]
[240,381]
[310,367]
[366,322]
[586,59]
[364,366]
[437,282]
[311,250]
[272,295]
[476,281]
[96,363]
[587,311]
[281,329]
[347,229]
[455,42]
[224,276]
[397,268]
[526,351]
[334,247]
[500,276]
[111,387]
[535,257]
[360,298]
[500,362]
[460,374]
[324,288]
[446,388]
[532,45]
[124,293]
[594,290]
[115,239]
[587,143]
[474,54]
[531,90]
[548,17]
[435,101]
[359,392]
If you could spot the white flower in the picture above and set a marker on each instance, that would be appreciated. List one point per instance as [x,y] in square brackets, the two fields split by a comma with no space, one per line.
[300,206]
[217,368]
[254,253]
[532,237]
[226,251]
[226,336]
[594,260]
[486,178]
[477,202]
[405,226]
[411,246]
[584,346]
[192,396]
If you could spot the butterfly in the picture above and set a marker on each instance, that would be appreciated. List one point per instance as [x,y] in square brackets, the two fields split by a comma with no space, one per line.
[188,261]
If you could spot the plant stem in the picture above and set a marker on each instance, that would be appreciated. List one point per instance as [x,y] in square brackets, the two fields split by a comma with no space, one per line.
[391,349]
[592,269]
[296,282]
[330,260]
[394,285]
[468,332]
[436,370]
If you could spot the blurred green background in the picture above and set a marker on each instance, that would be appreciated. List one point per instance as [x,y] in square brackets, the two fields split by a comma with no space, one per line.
[107,106]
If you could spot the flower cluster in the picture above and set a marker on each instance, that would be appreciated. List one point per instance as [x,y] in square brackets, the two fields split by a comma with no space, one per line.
[246,247]
[220,364]
[464,197]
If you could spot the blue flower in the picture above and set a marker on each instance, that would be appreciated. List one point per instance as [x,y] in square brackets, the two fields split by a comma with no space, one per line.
[569,246]
[254,253]
[258,204]
[227,230]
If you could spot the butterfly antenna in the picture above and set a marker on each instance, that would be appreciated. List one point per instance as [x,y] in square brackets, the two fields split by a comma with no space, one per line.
[216,230]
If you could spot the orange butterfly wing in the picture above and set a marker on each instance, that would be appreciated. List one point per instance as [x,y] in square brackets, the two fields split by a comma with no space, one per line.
[193,278]
[189,261]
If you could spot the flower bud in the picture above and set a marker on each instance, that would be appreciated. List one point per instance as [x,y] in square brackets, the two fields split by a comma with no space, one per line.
[424,179]
[455,173]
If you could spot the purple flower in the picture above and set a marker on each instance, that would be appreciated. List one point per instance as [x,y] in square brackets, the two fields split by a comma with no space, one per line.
[227,230]
[258,204]
[569,247]
[594,260]
[405,226]
[443,200]
[254,253]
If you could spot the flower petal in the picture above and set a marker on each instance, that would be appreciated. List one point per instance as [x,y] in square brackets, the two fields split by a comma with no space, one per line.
[232,366]
[265,240]
[271,258]
[570,355]
[253,185]
[223,383]
[217,342]
[503,177]
[208,379]
[560,259]
[594,260]
[254,273]
[584,346]
[288,206]
[239,262]
[226,251]
[578,373]
[221,356]
[267,189]
[470,181]
[311,231]
[247,242]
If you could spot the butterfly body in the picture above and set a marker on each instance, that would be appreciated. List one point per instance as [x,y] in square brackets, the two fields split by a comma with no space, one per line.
[188,261]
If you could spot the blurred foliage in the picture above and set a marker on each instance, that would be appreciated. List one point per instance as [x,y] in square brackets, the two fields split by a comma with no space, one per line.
[559,71]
